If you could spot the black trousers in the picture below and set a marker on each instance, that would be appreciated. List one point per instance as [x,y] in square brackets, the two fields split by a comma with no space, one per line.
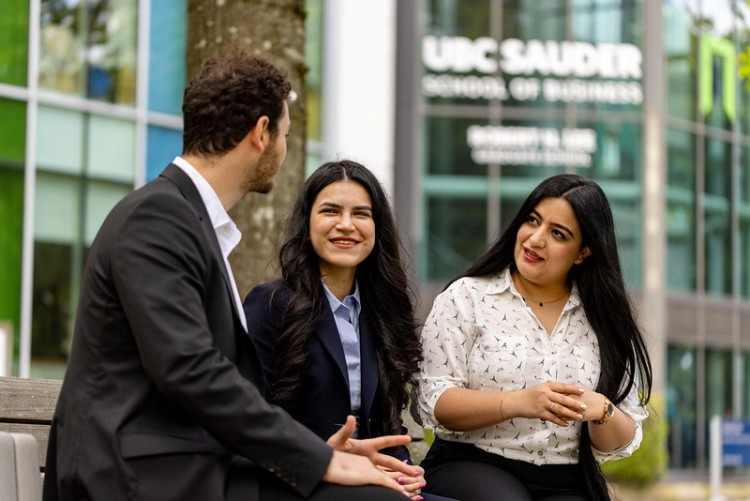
[248,481]
[465,472]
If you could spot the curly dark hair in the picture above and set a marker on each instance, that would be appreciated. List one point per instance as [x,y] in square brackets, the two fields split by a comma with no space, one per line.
[384,289]
[227,97]
[624,359]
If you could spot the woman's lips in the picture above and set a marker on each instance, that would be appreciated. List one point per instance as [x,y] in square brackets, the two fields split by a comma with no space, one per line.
[532,256]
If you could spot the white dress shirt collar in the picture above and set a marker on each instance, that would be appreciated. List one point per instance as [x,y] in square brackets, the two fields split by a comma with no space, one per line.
[227,233]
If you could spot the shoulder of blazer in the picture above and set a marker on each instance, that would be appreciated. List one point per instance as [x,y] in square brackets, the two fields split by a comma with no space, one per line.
[187,188]
[272,296]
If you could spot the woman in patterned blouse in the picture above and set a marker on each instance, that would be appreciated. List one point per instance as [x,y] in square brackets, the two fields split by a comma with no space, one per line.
[535,370]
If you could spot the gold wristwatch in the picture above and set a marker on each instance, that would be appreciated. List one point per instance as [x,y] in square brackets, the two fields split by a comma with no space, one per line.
[609,411]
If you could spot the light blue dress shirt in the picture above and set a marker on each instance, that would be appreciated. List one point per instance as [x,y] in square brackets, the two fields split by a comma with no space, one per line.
[346,315]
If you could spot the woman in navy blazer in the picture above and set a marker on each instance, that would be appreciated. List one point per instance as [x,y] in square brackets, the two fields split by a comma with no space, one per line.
[336,334]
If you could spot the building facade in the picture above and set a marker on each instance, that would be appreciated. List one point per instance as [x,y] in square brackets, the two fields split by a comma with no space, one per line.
[461,108]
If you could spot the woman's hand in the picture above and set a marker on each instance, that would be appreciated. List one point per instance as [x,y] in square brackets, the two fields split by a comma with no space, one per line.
[342,441]
[549,401]
[412,485]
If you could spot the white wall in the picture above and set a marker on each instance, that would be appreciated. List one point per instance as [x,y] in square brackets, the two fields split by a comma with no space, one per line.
[359,83]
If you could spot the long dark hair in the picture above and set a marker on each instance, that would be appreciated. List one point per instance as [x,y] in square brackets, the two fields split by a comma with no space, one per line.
[622,348]
[384,290]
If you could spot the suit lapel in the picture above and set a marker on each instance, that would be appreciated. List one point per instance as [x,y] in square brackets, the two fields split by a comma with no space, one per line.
[369,364]
[329,337]
[188,189]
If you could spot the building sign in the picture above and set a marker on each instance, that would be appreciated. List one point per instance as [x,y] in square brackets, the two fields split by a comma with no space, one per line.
[735,440]
[725,51]
[543,146]
[560,72]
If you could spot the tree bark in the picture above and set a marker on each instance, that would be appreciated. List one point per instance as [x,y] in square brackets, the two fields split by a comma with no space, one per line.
[276,30]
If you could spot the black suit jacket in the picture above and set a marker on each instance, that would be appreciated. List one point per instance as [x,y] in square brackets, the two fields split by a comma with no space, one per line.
[160,393]
[323,401]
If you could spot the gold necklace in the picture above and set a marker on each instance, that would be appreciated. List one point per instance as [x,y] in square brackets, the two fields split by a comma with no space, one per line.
[541,304]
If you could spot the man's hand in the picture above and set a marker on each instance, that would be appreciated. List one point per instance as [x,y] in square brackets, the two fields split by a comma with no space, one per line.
[351,469]
[342,441]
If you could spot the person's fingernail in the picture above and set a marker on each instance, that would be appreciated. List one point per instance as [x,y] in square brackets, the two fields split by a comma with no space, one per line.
[422,484]
[406,461]
[580,417]
[581,390]
[400,480]
[583,407]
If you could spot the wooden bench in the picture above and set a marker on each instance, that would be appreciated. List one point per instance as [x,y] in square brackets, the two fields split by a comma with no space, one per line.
[26,409]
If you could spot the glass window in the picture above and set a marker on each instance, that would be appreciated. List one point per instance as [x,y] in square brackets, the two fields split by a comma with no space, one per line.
[465,18]
[447,142]
[459,53]
[163,145]
[57,213]
[718,386]
[627,216]
[680,20]
[111,148]
[57,265]
[744,213]
[14,33]
[68,213]
[606,21]
[12,157]
[52,308]
[680,210]
[618,151]
[12,134]
[73,143]
[101,197]
[681,406]
[718,223]
[456,234]
[166,67]
[531,19]
[59,144]
[89,49]
[743,60]
[718,63]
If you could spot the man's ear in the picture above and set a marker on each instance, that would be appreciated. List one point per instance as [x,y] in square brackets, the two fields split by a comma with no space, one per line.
[259,135]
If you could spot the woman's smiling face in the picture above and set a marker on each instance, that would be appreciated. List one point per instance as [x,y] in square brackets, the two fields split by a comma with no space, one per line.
[342,229]
[549,243]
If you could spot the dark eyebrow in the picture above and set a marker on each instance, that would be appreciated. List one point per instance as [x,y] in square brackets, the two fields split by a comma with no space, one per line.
[338,206]
[556,225]
[329,204]
[563,228]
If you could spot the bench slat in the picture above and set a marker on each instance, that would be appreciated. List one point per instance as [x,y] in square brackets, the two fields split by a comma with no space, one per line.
[28,400]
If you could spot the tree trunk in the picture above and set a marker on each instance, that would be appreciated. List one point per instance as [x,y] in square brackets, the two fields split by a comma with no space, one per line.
[276,30]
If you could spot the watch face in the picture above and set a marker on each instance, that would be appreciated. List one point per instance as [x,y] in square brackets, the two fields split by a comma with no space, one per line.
[610,409]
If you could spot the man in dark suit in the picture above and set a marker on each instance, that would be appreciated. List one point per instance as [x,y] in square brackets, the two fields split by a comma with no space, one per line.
[160,399]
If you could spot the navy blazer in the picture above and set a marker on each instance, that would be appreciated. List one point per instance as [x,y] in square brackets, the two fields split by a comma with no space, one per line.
[323,401]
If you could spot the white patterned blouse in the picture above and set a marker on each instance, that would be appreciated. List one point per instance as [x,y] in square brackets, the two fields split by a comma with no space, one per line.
[481,335]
